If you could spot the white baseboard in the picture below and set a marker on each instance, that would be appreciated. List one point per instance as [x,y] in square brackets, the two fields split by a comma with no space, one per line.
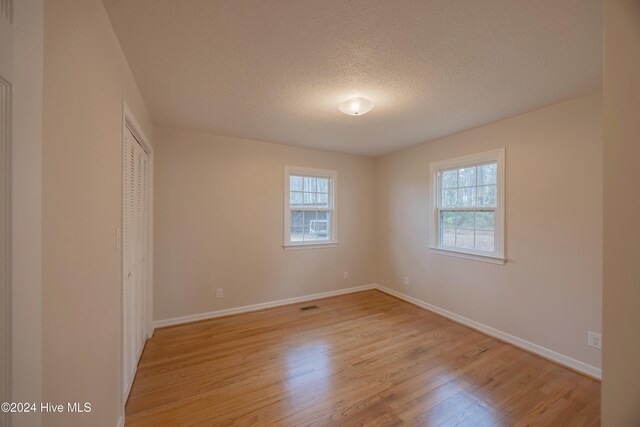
[256,307]
[561,359]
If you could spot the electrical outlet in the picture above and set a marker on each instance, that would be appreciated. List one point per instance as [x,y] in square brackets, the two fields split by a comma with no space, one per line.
[219,293]
[594,340]
[345,275]
[407,282]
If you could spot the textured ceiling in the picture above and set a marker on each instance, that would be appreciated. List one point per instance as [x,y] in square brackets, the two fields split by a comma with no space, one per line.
[276,70]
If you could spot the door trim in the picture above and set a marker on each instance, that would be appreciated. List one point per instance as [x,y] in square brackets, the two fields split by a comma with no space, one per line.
[5,243]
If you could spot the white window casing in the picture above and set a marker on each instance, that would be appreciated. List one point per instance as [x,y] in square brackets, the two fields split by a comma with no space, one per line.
[310,208]
[468,207]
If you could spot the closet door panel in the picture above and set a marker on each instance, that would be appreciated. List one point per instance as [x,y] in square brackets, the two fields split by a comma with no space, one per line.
[135,252]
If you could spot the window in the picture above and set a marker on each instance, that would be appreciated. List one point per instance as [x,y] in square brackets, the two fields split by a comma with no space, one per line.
[468,196]
[310,215]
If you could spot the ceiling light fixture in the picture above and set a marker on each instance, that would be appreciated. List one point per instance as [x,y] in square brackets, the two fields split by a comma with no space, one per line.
[356,106]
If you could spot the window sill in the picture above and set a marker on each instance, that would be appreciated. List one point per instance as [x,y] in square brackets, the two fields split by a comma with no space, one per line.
[296,246]
[468,255]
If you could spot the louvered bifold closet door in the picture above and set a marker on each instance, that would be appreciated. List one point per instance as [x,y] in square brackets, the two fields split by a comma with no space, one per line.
[135,253]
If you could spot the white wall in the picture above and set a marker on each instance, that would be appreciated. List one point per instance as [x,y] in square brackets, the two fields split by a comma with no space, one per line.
[86,80]
[218,217]
[549,291]
[621,376]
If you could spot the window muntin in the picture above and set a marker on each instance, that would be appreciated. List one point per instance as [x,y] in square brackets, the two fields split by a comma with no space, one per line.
[468,204]
[468,230]
[470,186]
[310,207]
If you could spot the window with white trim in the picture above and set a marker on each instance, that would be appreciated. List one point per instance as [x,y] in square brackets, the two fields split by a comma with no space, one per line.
[469,206]
[310,208]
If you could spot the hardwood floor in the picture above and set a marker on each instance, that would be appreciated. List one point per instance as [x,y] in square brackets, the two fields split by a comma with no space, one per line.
[359,359]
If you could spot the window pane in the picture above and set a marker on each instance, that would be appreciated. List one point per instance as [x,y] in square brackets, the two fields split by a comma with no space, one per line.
[296,233]
[466,197]
[448,237]
[449,198]
[487,195]
[319,228]
[310,184]
[309,199]
[450,179]
[484,241]
[310,211]
[485,220]
[464,238]
[447,219]
[323,200]
[295,198]
[487,174]
[323,185]
[308,217]
[467,177]
[306,236]
[297,218]
[295,182]
[464,220]
[316,226]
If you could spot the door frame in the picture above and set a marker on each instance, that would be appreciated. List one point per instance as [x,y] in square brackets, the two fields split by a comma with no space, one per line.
[6,133]
[129,122]
[7,64]
[25,73]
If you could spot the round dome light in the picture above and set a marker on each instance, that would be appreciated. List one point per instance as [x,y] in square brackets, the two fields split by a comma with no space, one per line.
[356,106]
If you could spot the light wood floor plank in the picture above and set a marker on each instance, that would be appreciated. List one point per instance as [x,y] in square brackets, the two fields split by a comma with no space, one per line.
[363,359]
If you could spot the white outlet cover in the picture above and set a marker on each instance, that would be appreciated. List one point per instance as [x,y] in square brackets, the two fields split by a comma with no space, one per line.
[345,275]
[407,282]
[594,339]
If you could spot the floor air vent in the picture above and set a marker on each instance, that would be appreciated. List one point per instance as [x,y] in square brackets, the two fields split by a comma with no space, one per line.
[309,307]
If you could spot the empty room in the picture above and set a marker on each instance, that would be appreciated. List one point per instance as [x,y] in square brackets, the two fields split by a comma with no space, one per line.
[319,213]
